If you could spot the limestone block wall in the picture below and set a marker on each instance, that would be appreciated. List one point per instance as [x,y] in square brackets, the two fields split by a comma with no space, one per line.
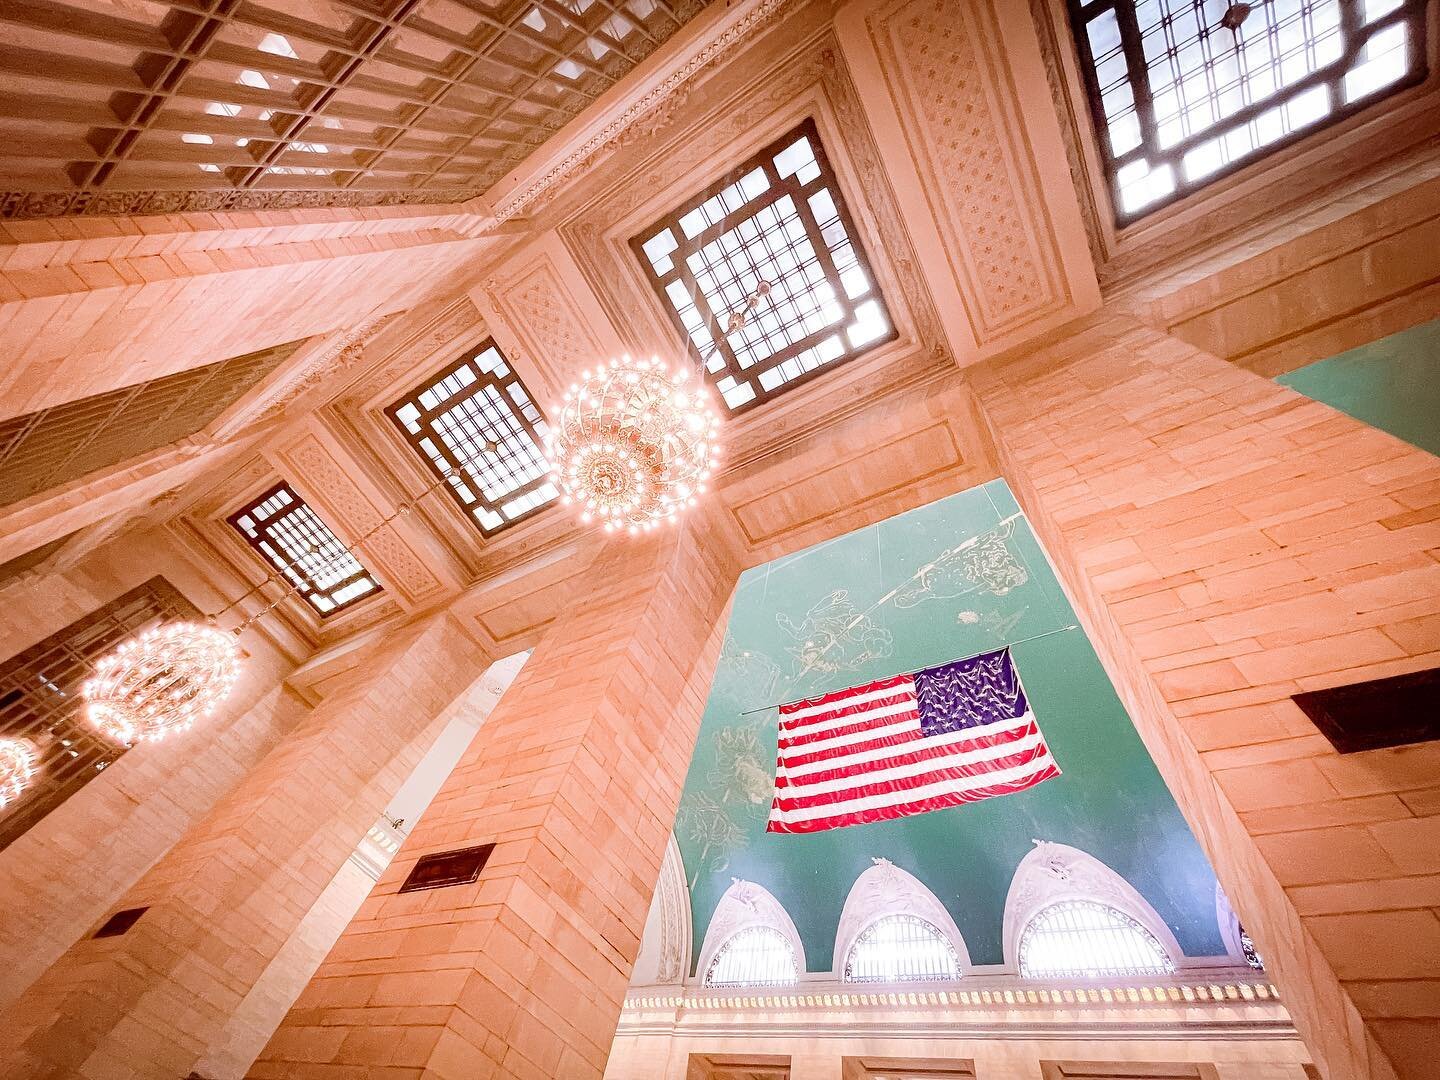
[60,878]
[226,899]
[1229,543]
[522,974]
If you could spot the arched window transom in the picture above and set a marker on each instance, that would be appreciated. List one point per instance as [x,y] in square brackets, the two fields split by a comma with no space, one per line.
[901,948]
[754,956]
[1084,939]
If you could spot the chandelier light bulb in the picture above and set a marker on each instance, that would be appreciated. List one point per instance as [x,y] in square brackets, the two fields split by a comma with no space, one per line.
[161,681]
[17,766]
[628,447]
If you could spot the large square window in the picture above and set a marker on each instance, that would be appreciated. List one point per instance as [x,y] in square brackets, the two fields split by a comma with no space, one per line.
[476,421]
[776,229]
[289,536]
[1184,91]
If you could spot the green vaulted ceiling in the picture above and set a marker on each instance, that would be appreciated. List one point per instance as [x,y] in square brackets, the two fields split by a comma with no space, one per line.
[961,576]
[1392,384]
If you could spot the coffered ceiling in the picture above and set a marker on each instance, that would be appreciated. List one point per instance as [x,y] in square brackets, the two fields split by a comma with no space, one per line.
[139,106]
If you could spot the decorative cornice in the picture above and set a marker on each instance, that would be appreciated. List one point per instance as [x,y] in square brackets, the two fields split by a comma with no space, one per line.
[30,205]
[708,54]
[989,1007]
[342,352]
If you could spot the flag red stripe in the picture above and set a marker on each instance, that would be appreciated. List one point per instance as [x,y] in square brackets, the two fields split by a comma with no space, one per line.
[787,741]
[856,709]
[898,810]
[943,750]
[840,695]
[906,783]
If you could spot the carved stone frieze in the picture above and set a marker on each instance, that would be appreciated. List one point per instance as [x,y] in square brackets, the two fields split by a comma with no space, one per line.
[955,103]
[543,315]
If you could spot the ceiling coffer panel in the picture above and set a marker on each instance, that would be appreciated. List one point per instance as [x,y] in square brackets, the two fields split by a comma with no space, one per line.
[136,106]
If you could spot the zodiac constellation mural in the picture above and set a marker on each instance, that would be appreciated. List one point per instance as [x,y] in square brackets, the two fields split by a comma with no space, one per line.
[834,636]
[984,563]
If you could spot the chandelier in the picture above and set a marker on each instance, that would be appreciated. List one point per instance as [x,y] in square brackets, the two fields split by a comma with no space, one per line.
[17,765]
[633,443]
[162,681]
[172,675]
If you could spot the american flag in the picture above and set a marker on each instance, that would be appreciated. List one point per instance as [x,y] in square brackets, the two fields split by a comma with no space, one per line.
[904,745]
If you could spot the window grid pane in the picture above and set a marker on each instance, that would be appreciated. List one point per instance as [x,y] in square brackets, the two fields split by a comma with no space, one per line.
[901,948]
[1078,939]
[754,956]
[289,536]
[1183,91]
[779,219]
[477,420]
[40,699]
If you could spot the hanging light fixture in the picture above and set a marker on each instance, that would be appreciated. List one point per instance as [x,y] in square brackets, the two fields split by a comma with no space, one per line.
[17,766]
[172,675]
[162,681]
[634,443]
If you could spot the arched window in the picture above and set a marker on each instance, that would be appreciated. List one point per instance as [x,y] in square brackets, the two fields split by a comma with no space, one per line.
[1248,950]
[754,956]
[1068,915]
[751,941]
[901,948]
[1082,938]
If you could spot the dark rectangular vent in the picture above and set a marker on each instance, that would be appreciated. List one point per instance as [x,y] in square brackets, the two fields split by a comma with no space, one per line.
[120,922]
[459,867]
[1382,712]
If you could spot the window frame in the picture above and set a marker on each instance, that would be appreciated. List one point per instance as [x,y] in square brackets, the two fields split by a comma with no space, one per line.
[1074,15]
[763,158]
[723,949]
[483,379]
[901,916]
[1167,969]
[307,591]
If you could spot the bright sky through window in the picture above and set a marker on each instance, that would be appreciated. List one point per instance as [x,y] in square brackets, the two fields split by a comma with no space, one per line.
[1183,90]
[901,948]
[754,956]
[477,419]
[1082,939]
[291,538]
[778,218]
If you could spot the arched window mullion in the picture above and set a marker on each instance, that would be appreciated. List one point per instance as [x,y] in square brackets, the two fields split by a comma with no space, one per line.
[753,956]
[1086,939]
[901,948]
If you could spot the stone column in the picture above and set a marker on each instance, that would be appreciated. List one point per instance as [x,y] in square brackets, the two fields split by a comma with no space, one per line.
[576,782]
[222,903]
[1228,543]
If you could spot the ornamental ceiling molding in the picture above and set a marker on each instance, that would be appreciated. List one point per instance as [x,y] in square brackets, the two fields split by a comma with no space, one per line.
[944,67]
[343,351]
[662,94]
[33,205]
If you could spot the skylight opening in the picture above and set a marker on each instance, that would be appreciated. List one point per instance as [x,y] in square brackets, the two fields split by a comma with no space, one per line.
[1183,92]
[291,538]
[477,420]
[780,219]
